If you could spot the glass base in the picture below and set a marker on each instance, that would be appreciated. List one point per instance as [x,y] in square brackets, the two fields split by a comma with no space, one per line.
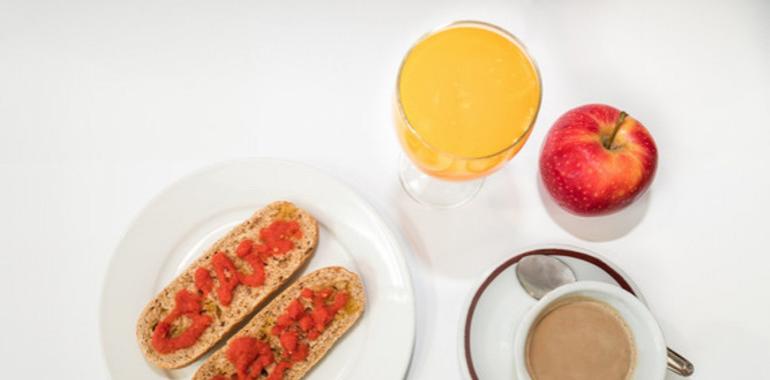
[434,192]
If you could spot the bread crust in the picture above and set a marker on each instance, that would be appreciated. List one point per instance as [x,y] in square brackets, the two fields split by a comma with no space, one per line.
[260,325]
[278,270]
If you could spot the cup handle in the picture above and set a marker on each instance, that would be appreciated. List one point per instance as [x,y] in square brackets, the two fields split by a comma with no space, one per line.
[679,365]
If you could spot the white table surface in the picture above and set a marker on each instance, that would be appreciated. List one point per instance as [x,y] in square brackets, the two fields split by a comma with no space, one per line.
[103,103]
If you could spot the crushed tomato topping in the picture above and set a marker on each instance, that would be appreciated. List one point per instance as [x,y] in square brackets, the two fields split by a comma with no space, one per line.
[187,304]
[276,240]
[303,320]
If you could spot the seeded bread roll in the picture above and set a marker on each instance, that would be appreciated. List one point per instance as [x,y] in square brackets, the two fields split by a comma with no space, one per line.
[259,327]
[246,299]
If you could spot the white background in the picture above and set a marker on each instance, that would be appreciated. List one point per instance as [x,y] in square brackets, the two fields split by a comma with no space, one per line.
[103,103]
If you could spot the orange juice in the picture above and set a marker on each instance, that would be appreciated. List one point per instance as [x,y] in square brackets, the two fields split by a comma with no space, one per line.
[467,97]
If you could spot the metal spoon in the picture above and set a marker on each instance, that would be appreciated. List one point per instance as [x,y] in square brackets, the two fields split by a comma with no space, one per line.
[539,274]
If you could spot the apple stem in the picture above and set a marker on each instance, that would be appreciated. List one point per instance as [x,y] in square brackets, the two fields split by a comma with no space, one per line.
[618,123]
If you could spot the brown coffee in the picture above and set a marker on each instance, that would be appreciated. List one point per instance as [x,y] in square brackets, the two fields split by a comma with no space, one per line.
[580,338]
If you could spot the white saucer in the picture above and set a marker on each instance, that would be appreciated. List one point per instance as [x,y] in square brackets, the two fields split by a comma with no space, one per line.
[499,303]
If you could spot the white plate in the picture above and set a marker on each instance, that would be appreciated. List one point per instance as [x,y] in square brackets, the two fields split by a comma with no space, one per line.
[499,303]
[193,212]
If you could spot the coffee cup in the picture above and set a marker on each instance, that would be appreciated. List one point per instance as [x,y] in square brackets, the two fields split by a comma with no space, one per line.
[590,330]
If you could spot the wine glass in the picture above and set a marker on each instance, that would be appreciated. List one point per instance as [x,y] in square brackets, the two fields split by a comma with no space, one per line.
[467,96]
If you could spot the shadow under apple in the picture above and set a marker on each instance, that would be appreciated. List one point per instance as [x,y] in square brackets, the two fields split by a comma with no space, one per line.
[595,228]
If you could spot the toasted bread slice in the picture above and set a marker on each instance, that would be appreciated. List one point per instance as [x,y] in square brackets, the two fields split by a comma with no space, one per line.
[245,300]
[260,326]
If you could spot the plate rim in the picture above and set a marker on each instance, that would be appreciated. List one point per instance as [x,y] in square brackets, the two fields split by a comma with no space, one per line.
[619,276]
[382,223]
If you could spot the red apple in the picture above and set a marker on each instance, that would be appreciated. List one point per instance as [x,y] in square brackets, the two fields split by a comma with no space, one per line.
[597,160]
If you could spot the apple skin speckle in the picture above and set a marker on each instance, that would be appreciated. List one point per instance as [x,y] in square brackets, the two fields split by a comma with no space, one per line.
[588,179]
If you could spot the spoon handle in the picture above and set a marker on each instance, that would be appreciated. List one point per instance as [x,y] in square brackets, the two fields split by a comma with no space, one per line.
[679,365]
